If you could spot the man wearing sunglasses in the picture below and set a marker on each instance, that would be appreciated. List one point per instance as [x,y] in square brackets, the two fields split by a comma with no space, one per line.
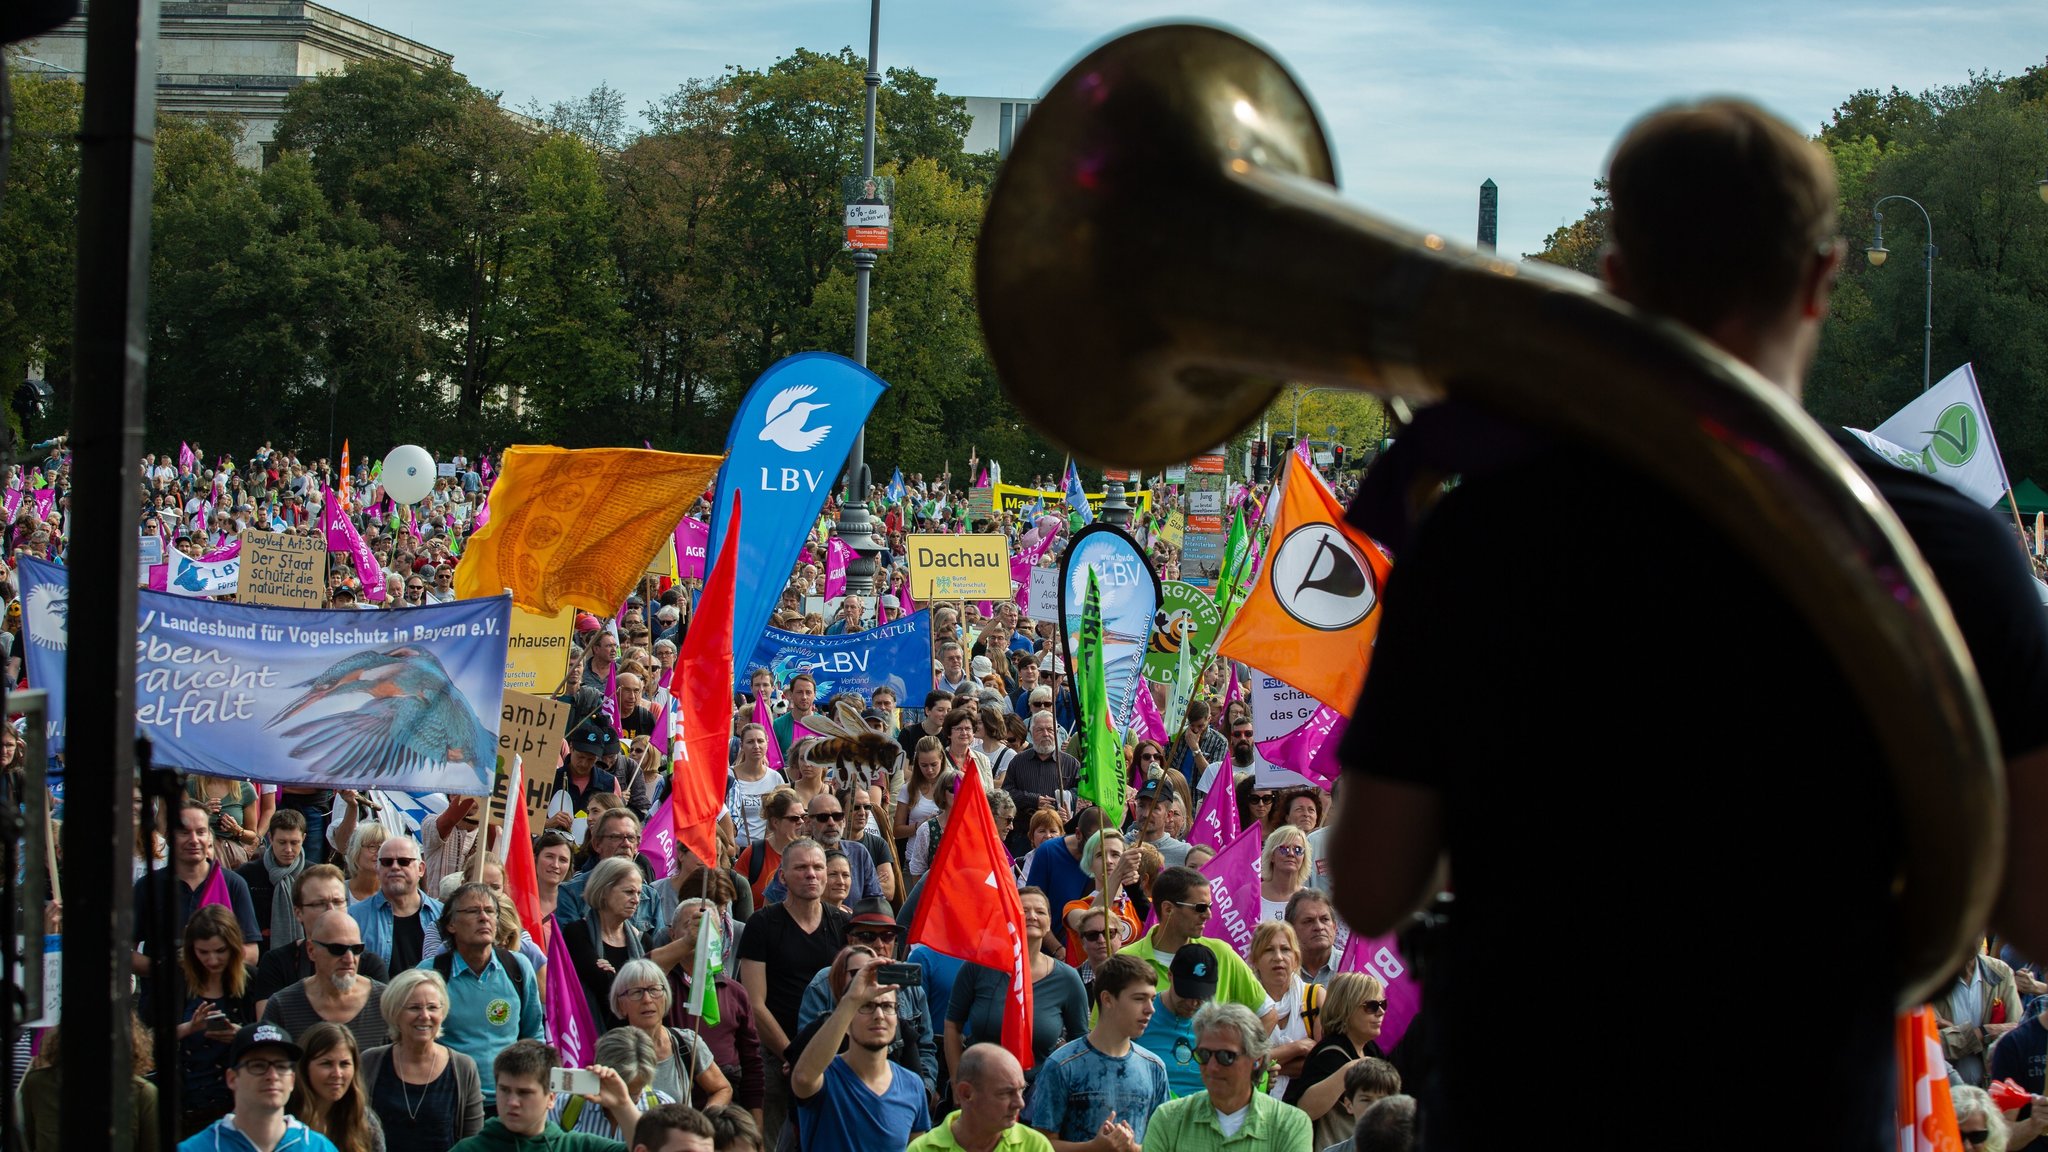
[319,890]
[337,991]
[1168,1031]
[1180,898]
[399,922]
[1229,1111]
[262,1061]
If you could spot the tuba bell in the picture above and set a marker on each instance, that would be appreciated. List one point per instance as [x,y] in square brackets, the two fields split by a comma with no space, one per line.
[1164,246]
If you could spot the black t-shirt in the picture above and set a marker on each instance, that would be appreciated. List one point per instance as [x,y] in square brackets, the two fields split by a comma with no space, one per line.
[792,956]
[1644,755]
[294,962]
[408,940]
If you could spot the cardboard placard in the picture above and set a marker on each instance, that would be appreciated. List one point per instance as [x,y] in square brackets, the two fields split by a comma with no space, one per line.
[537,782]
[1045,594]
[282,570]
[969,567]
[537,653]
[532,727]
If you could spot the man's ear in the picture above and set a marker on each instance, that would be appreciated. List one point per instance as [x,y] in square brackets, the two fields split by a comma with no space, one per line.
[1819,283]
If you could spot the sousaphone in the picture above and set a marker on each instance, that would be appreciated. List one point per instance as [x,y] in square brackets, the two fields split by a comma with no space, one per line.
[1164,246]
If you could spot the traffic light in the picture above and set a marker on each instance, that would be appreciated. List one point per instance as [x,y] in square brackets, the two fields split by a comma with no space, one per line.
[1337,454]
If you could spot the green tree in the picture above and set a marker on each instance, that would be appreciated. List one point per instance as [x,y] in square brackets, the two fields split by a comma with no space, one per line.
[1577,245]
[38,211]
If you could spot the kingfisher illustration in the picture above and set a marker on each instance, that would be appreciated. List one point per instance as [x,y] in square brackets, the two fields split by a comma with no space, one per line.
[785,420]
[414,717]
[189,579]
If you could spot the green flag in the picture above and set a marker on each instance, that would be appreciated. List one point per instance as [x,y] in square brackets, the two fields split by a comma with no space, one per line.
[1102,780]
[1237,549]
[1185,669]
[704,973]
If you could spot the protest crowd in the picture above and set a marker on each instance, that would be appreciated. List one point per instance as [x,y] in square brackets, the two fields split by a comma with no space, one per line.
[961,871]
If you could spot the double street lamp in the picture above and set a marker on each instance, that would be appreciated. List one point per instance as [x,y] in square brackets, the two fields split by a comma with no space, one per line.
[1877,254]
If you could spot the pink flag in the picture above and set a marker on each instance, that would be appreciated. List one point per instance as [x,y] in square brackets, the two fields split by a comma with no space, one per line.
[13,502]
[1234,891]
[46,502]
[691,536]
[1146,722]
[483,512]
[567,1014]
[186,460]
[1312,748]
[762,718]
[1021,564]
[611,695]
[342,537]
[837,553]
[216,889]
[160,574]
[658,839]
[1216,820]
[1381,956]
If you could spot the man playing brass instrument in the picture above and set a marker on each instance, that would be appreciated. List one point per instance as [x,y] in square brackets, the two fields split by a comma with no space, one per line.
[1631,748]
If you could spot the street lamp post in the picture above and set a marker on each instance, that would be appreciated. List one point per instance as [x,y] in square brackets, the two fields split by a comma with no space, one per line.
[1877,254]
[855,527]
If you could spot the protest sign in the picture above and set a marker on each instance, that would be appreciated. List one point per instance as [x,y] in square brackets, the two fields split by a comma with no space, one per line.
[282,570]
[305,699]
[535,782]
[1016,498]
[532,727]
[1187,615]
[1045,594]
[1130,605]
[1201,558]
[689,544]
[969,567]
[537,653]
[897,654]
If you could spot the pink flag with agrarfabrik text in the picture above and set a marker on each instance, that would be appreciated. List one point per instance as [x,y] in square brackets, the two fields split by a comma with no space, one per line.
[566,1013]
[838,553]
[1381,956]
[1146,722]
[691,536]
[1216,820]
[767,724]
[1234,891]
[658,839]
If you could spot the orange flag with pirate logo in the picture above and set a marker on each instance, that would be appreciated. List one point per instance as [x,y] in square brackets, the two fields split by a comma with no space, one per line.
[1314,610]
[578,527]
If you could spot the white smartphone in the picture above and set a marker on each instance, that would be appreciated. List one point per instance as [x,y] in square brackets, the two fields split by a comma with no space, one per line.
[575,1081]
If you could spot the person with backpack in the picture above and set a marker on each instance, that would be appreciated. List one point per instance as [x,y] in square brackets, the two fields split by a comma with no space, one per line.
[493,999]
[758,862]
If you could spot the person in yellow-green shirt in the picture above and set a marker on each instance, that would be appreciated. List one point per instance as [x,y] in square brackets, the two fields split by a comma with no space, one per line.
[1181,898]
[989,1086]
[1230,1114]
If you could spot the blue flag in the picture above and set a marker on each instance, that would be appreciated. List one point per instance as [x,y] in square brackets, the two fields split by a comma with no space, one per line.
[1077,501]
[785,450]
[896,487]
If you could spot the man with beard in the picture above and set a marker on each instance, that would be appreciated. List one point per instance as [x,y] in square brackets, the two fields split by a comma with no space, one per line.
[336,991]
[321,889]
[1154,800]
[1038,775]
[857,1099]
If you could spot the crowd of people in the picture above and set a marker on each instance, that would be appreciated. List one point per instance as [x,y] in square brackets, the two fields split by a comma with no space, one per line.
[350,981]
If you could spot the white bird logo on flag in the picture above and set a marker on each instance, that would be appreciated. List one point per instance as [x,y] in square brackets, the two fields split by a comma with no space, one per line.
[787,415]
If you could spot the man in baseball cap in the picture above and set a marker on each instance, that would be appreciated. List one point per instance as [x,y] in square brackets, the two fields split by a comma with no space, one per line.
[261,1063]
[1191,982]
[591,745]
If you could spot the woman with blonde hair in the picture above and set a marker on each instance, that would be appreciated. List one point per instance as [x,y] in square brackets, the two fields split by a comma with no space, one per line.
[1276,961]
[1285,864]
[327,1095]
[361,861]
[1353,1011]
[427,1095]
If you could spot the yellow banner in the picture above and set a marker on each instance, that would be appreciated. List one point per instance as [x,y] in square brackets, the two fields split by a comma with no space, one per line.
[1174,529]
[538,651]
[947,567]
[1016,498]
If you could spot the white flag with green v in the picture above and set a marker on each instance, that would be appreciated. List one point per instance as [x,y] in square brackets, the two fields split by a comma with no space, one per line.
[1946,433]
[704,973]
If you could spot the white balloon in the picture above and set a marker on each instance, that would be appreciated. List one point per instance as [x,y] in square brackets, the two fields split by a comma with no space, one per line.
[408,474]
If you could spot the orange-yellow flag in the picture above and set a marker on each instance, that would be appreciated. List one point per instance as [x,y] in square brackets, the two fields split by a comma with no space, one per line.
[1927,1115]
[1311,617]
[578,527]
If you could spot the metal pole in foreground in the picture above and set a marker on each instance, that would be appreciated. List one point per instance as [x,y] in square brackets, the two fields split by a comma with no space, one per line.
[116,159]
[854,526]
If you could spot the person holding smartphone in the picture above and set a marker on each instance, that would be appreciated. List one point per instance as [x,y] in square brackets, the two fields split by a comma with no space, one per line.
[218,1000]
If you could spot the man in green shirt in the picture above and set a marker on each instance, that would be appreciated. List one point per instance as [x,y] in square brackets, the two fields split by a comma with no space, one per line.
[521,1071]
[1181,898]
[1230,1114]
[989,1086]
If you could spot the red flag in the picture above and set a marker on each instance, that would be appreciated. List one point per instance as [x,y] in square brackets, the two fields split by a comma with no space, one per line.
[704,670]
[970,910]
[521,883]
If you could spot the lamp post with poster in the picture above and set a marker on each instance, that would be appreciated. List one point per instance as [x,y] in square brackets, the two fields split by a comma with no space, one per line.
[867,213]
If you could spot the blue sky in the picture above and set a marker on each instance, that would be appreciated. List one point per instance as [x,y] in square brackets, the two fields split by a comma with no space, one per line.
[1422,100]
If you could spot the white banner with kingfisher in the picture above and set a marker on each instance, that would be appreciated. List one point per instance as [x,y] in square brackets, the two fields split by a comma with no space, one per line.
[404,700]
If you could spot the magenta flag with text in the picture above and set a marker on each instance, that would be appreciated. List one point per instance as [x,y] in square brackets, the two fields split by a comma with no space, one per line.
[690,538]
[342,537]
[1146,722]
[1215,822]
[1381,956]
[160,574]
[837,553]
[565,1011]
[767,724]
[658,839]
[1234,892]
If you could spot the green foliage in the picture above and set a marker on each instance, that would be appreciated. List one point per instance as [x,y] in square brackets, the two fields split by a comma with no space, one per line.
[37,234]
[1577,245]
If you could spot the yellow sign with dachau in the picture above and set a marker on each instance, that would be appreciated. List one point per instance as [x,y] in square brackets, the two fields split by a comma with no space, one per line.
[944,567]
